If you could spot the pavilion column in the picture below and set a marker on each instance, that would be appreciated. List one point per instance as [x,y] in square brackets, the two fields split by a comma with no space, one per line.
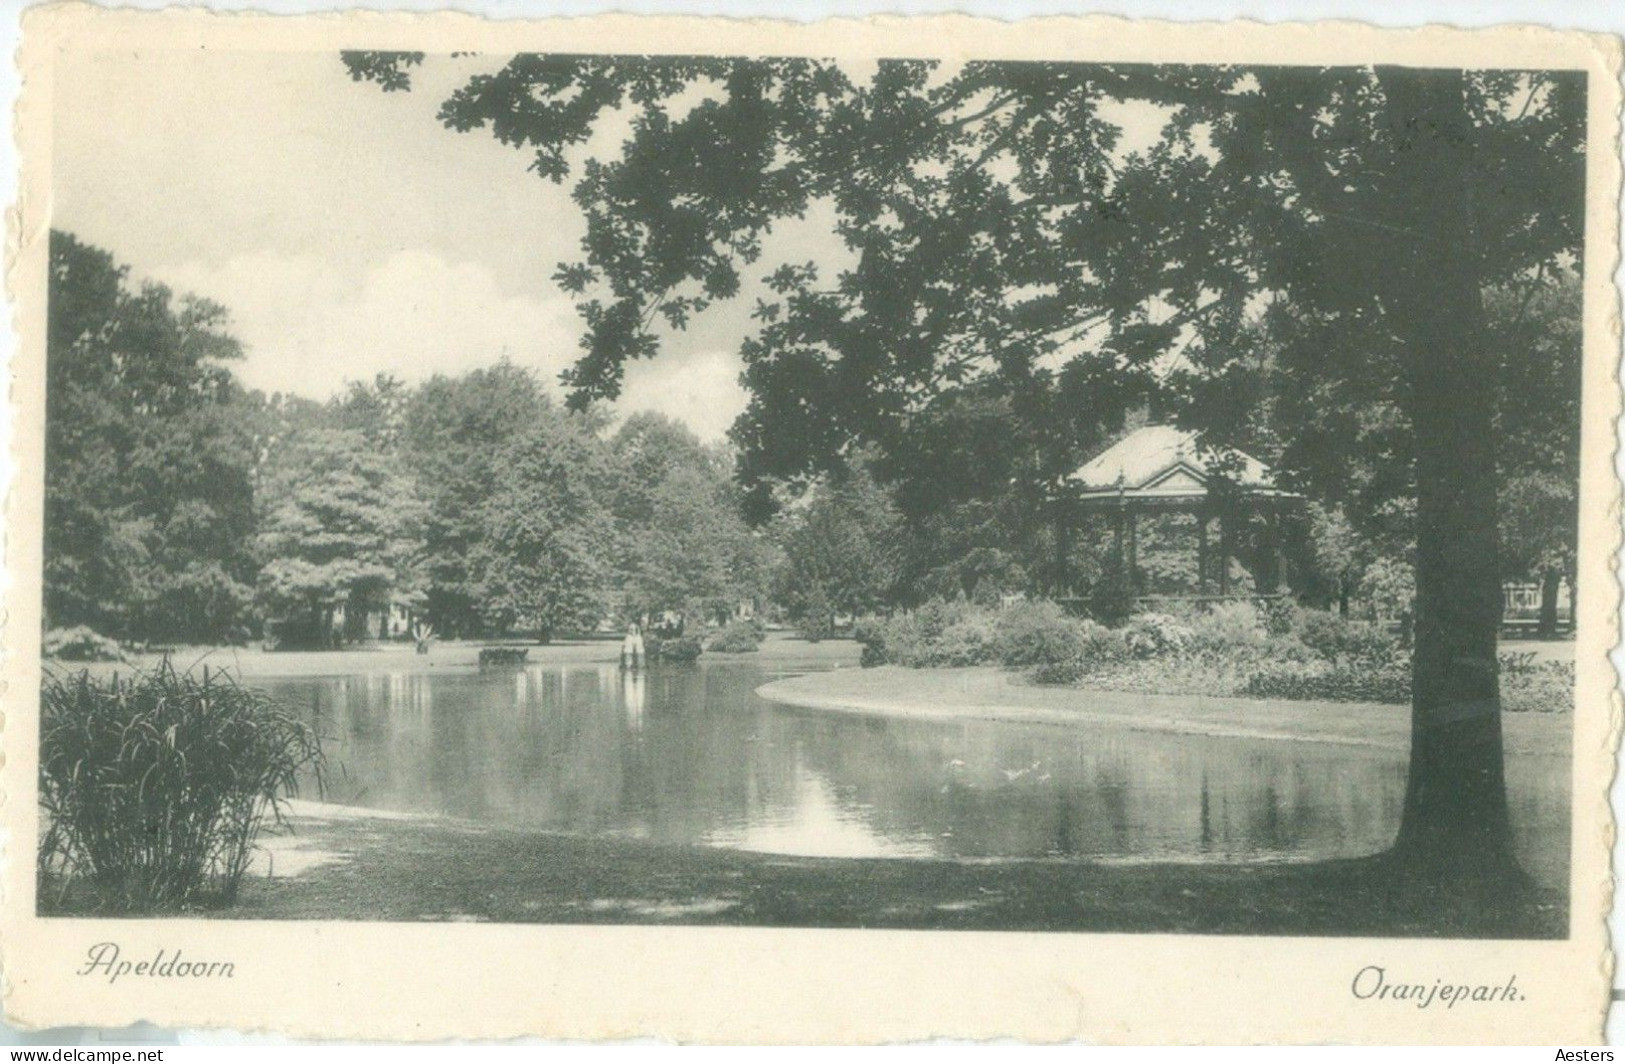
[1224,553]
[1061,584]
[1269,580]
[1201,552]
[1278,548]
[1134,551]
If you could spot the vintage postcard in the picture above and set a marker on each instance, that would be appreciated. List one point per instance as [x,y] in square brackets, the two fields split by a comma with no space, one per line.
[859,531]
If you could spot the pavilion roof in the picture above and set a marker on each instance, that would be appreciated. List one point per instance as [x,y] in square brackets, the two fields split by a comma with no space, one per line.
[1164,462]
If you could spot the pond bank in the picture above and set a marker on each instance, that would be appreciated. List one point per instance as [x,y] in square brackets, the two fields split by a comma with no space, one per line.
[991,693]
[343,864]
[253,663]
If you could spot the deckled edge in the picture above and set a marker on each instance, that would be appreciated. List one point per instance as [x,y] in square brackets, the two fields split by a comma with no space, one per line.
[42,23]
[1612,51]
[8,439]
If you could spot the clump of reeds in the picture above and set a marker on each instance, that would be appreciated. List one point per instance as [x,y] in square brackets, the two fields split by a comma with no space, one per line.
[154,786]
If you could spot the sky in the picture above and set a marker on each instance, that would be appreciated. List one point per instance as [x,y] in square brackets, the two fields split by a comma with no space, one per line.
[347,232]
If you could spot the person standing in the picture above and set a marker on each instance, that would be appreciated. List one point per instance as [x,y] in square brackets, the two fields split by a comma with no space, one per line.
[632,648]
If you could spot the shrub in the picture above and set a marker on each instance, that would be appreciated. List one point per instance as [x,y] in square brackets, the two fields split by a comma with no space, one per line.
[938,615]
[1098,649]
[1348,642]
[904,642]
[80,643]
[503,655]
[1321,631]
[939,633]
[680,650]
[817,627]
[1227,626]
[1111,600]
[871,629]
[965,642]
[872,656]
[1060,672]
[1332,683]
[870,633]
[878,635]
[740,637]
[1101,646]
[1154,635]
[1280,616]
[1036,633]
[155,788]
[1547,687]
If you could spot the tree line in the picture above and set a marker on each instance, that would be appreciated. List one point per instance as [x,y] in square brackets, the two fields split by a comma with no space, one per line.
[183,507]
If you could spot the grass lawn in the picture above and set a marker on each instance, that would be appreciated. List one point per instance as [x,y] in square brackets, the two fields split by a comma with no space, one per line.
[348,865]
[992,693]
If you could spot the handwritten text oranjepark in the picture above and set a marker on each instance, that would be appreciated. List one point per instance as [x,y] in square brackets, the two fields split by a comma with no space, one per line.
[1371,984]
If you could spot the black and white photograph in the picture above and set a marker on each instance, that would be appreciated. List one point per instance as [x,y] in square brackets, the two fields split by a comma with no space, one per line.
[874,491]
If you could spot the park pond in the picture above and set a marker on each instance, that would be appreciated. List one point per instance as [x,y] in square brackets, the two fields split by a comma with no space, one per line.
[694,756]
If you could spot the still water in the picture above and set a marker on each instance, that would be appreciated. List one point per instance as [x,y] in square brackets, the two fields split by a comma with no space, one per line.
[692,755]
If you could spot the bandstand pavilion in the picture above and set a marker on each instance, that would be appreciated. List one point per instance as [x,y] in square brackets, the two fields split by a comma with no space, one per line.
[1161,469]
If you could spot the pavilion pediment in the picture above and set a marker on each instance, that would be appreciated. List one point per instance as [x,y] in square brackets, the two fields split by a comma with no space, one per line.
[1163,462]
[1180,478]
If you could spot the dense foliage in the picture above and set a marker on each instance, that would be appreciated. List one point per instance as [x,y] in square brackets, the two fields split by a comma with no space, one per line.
[740,637]
[80,643]
[503,655]
[181,507]
[840,551]
[1226,649]
[149,496]
[684,546]
[337,530]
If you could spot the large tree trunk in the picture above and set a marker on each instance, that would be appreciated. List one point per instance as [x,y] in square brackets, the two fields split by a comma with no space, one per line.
[1455,815]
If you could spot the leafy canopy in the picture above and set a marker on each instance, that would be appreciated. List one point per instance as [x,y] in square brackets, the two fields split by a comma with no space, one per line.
[1006,222]
[150,455]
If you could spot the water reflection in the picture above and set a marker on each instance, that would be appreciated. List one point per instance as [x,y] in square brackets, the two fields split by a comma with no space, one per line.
[632,696]
[693,756]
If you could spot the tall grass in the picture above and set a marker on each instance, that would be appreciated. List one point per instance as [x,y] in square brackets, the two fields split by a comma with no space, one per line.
[154,787]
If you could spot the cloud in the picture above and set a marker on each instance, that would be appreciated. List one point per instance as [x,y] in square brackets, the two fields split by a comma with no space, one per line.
[308,328]
[699,388]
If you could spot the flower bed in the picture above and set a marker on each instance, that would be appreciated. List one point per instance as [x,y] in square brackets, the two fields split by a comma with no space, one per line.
[1231,648]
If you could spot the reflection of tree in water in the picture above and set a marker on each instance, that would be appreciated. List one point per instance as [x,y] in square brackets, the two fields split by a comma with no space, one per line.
[690,755]
[377,732]
[536,747]
[986,789]
[694,768]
